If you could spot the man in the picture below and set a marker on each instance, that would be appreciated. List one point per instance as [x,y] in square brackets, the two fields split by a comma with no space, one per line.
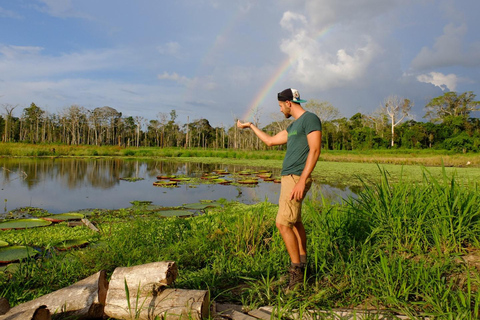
[303,138]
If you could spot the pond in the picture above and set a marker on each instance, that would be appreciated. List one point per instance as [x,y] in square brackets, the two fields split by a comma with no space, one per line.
[64,185]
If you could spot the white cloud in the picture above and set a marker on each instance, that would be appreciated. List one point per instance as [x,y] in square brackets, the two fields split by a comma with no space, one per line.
[4,13]
[61,9]
[448,50]
[17,62]
[170,48]
[315,64]
[188,82]
[440,80]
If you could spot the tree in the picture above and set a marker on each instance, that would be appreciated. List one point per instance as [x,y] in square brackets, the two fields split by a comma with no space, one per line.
[397,110]
[8,111]
[32,117]
[323,109]
[451,105]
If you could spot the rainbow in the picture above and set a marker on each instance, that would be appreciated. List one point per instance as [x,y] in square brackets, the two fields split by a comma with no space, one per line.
[284,66]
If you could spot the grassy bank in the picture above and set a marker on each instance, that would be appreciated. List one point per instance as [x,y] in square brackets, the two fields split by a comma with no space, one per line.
[390,156]
[406,247]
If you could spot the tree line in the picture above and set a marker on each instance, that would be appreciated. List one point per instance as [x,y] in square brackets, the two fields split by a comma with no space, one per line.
[448,124]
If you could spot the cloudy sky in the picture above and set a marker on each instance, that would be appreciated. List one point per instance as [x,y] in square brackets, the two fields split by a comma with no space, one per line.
[226,59]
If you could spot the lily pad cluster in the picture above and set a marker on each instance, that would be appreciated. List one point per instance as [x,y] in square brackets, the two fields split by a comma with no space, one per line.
[12,253]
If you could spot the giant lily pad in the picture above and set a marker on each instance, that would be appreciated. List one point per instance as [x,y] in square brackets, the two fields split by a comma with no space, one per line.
[15,253]
[180,179]
[248,181]
[3,243]
[64,217]
[70,244]
[23,223]
[222,181]
[165,183]
[176,213]
[201,206]
[165,177]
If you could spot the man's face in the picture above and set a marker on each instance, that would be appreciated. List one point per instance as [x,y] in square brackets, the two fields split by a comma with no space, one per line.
[285,108]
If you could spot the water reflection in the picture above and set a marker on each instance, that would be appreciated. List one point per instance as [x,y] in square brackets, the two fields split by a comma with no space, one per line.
[62,185]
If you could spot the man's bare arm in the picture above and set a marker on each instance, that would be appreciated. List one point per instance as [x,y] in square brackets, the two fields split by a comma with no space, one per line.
[279,138]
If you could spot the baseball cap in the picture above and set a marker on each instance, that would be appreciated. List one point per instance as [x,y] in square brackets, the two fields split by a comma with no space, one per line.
[290,95]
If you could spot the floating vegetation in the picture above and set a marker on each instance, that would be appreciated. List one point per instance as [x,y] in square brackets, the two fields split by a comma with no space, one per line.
[176,213]
[264,175]
[3,243]
[180,179]
[221,171]
[201,206]
[244,172]
[64,217]
[139,203]
[16,253]
[222,181]
[248,181]
[165,183]
[165,177]
[132,179]
[23,223]
[209,176]
[277,180]
[268,179]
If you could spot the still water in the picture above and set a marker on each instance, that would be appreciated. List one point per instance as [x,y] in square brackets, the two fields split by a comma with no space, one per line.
[64,185]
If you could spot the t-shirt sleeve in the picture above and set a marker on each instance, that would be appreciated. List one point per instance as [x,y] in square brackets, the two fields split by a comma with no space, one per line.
[312,123]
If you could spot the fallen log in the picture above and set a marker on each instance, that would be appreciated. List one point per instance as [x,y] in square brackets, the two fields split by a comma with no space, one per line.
[39,313]
[169,304]
[82,300]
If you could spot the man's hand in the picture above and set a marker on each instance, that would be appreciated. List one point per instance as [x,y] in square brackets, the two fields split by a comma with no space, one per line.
[297,191]
[243,125]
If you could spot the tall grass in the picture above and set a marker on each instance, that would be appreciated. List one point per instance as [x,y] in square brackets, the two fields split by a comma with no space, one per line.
[398,247]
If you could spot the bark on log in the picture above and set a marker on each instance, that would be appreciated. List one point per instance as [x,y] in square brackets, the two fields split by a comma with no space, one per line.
[142,279]
[4,306]
[82,300]
[39,313]
[169,304]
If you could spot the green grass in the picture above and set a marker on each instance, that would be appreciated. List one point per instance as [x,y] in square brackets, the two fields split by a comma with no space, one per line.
[400,246]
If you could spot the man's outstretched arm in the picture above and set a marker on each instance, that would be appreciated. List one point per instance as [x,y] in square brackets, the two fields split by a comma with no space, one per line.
[279,138]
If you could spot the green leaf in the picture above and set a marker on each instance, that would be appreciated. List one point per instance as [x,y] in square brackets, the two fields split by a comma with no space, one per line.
[64,217]
[176,213]
[24,223]
[15,253]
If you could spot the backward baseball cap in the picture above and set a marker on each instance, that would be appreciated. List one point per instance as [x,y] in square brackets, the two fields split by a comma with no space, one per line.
[290,95]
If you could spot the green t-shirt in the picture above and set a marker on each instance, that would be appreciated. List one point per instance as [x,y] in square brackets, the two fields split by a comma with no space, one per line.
[297,143]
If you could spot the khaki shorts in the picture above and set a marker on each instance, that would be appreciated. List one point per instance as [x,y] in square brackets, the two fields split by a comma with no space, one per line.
[290,211]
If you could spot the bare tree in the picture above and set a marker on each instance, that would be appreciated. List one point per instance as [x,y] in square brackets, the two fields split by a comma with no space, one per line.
[323,109]
[8,111]
[397,109]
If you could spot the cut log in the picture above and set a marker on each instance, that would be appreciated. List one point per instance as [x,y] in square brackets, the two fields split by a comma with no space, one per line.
[82,300]
[4,306]
[145,278]
[39,313]
[169,304]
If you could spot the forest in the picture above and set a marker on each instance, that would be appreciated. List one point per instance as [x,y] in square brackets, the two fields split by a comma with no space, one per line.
[449,124]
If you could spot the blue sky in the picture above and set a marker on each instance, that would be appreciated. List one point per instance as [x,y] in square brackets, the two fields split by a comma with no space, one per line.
[217,59]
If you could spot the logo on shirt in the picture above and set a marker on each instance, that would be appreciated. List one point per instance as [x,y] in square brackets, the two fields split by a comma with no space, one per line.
[292,133]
